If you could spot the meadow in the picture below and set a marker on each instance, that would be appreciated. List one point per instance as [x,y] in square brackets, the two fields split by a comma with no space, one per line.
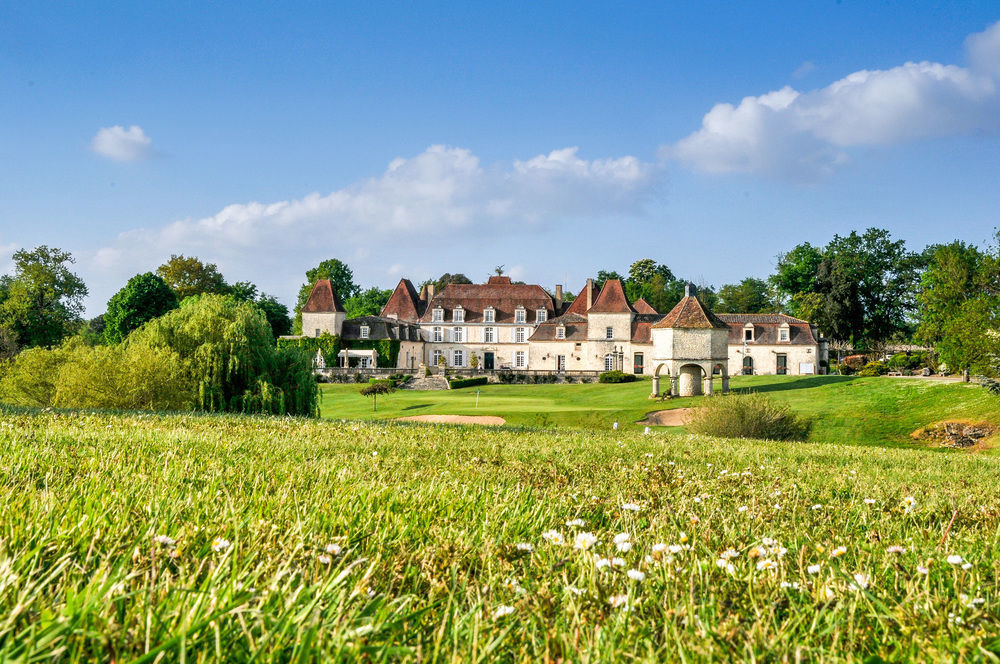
[145,538]
[849,410]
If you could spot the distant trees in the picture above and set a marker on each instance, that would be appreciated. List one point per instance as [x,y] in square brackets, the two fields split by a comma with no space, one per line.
[369,302]
[41,303]
[341,278]
[144,297]
[188,276]
[751,296]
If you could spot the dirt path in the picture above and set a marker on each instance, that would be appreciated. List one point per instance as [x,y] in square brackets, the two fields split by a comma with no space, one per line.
[489,420]
[674,417]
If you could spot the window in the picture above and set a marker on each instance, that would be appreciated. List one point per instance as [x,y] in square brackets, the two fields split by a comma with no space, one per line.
[519,315]
[637,363]
[609,333]
[365,331]
[317,331]
[561,332]
[458,315]
[520,359]
[458,335]
[783,334]
[519,337]
[438,315]
[458,359]
[609,361]
[435,357]
[541,316]
[364,363]
[747,334]
[489,315]
[438,335]
[489,335]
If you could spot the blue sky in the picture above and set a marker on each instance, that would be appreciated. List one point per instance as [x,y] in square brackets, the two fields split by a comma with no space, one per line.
[554,138]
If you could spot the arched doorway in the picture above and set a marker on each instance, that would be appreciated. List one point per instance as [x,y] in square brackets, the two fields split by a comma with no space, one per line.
[747,365]
[689,380]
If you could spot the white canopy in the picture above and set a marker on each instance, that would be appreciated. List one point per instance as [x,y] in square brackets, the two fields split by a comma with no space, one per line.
[369,357]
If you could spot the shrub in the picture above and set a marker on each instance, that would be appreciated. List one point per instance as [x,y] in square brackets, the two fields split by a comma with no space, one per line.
[853,363]
[616,377]
[427,372]
[459,383]
[751,415]
[874,369]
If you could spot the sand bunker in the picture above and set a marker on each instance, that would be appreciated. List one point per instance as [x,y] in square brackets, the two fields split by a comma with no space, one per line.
[673,417]
[489,420]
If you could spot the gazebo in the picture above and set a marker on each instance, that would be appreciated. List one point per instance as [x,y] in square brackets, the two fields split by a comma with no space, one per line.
[367,359]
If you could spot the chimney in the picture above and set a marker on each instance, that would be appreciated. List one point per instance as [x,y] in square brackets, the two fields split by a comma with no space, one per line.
[689,289]
[430,292]
[558,298]
[590,293]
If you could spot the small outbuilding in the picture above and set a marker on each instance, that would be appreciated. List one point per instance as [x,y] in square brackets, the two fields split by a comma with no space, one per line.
[690,344]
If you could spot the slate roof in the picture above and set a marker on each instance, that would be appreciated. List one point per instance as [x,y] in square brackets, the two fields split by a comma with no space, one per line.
[643,307]
[765,329]
[498,293]
[576,329]
[380,328]
[690,313]
[404,303]
[612,299]
[322,299]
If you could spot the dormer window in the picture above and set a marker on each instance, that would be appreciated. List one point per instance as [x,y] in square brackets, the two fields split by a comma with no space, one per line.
[783,333]
[561,332]
[438,315]
[541,315]
[489,315]
[365,331]
[747,333]
[458,315]
[520,315]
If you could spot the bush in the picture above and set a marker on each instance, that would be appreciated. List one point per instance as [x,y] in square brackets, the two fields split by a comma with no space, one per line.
[427,372]
[751,415]
[853,363]
[616,377]
[874,369]
[459,383]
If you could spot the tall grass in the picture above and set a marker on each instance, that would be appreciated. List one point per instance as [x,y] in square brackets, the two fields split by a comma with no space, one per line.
[376,542]
[749,415]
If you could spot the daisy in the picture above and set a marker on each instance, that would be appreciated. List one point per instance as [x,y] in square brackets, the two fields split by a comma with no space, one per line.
[675,548]
[767,564]
[324,559]
[923,570]
[742,508]
[636,575]
[618,562]
[584,541]
[630,507]
[622,542]
[729,554]
[514,586]
[659,547]
[574,590]
[794,585]
[617,601]
[861,581]
[553,537]
[909,504]
[816,507]
[601,563]
[502,610]
[955,559]
[813,569]
[869,501]
[970,603]
[524,546]
[574,523]
[165,540]
[838,552]
[895,548]
[333,549]
[220,544]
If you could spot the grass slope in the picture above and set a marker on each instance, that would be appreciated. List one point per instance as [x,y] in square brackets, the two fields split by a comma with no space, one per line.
[428,520]
[873,411]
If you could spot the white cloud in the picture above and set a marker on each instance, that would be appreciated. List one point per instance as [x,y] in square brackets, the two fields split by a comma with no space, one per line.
[7,257]
[804,69]
[807,135]
[121,144]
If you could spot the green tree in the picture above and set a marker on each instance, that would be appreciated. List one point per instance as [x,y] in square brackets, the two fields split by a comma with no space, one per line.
[607,275]
[144,297]
[374,389]
[244,291]
[643,270]
[751,296]
[276,314]
[368,302]
[842,313]
[796,270]
[341,278]
[188,276]
[42,301]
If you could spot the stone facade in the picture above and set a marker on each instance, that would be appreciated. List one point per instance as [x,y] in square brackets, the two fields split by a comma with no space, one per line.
[774,344]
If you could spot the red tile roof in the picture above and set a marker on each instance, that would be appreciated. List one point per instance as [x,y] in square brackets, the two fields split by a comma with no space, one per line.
[502,295]
[691,313]
[322,299]
[579,305]
[643,307]
[404,303]
[612,299]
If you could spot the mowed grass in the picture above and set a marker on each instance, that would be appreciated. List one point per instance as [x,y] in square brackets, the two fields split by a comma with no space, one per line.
[835,552]
[850,410]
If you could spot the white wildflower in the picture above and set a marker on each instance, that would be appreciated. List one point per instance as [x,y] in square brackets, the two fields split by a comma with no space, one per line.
[630,507]
[553,537]
[525,546]
[813,569]
[502,610]
[955,559]
[584,541]
[220,544]
[574,523]
[636,575]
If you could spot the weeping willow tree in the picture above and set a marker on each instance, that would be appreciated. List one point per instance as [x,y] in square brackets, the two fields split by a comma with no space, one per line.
[228,352]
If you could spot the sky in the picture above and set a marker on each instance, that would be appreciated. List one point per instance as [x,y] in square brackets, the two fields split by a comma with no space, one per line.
[556,139]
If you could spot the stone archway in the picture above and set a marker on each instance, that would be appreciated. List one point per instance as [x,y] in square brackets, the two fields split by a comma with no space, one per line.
[656,381]
[689,380]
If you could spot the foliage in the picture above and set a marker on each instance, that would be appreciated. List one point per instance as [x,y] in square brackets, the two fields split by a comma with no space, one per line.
[796,271]
[8,343]
[367,303]
[189,276]
[876,368]
[750,415]
[328,344]
[644,270]
[43,299]
[616,377]
[374,389]
[474,361]
[910,361]
[144,297]
[341,279]
[750,296]
[276,314]
[447,279]
[459,383]
[229,354]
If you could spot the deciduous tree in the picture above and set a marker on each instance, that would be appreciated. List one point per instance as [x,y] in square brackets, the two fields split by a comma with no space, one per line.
[189,276]
[42,301]
[144,297]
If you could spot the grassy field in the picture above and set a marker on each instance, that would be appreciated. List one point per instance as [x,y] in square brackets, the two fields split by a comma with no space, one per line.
[871,411]
[210,539]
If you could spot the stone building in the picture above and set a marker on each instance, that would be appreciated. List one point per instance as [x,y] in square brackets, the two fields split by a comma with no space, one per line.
[691,344]
[774,344]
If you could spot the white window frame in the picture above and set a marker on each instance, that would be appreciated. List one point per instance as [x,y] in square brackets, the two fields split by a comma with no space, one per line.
[783,334]
[458,315]
[435,357]
[748,328]
[317,332]
[458,358]
[365,331]
[364,362]
[520,315]
[438,336]
[609,362]
[541,315]
[489,335]
[520,335]
[561,332]
[489,315]
[458,335]
[609,333]
[437,316]
[520,359]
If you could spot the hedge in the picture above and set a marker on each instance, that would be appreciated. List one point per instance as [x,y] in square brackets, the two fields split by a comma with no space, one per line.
[616,377]
[387,349]
[467,382]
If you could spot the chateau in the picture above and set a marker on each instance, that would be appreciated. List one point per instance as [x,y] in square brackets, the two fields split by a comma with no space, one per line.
[522,327]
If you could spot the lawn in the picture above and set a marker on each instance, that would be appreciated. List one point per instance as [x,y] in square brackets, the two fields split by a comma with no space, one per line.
[228,539]
[867,411]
